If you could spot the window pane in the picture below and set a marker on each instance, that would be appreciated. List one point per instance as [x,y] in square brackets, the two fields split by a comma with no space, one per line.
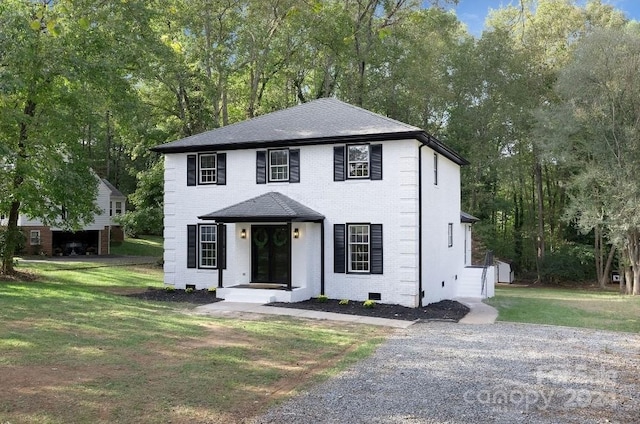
[208,168]
[358,158]
[208,246]
[279,165]
[359,248]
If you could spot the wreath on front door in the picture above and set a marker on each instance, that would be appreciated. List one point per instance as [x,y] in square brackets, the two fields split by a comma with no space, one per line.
[280,238]
[260,237]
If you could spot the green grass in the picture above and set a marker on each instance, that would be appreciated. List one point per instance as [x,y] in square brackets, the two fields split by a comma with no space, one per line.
[602,310]
[74,349]
[142,246]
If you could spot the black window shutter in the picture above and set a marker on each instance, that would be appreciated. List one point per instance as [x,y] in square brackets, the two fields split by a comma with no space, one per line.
[294,166]
[261,167]
[376,248]
[192,245]
[376,161]
[191,169]
[221,172]
[222,246]
[338,163]
[339,248]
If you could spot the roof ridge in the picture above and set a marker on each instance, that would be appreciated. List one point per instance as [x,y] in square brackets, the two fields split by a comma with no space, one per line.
[276,198]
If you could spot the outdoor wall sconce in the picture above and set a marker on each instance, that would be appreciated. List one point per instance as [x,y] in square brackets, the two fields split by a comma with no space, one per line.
[296,233]
[243,233]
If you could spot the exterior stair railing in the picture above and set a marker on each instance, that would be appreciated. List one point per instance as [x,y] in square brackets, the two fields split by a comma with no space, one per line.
[488,261]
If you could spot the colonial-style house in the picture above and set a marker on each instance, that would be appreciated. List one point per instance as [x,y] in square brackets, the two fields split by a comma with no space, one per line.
[321,198]
[93,238]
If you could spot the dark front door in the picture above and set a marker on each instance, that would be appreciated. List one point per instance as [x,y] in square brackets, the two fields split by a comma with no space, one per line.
[270,254]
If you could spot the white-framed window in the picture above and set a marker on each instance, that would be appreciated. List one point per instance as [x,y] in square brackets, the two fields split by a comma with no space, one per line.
[359,248]
[34,238]
[358,161]
[207,168]
[208,246]
[435,169]
[116,208]
[450,234]
[279,165]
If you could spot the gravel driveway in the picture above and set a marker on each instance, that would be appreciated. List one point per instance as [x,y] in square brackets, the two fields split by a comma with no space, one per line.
[501,373]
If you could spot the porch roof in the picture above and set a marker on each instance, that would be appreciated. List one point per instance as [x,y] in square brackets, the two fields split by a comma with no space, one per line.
[268,207]
[467,218]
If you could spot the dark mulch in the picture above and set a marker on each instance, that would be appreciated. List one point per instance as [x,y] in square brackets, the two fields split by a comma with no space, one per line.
[197,297]
[445,310]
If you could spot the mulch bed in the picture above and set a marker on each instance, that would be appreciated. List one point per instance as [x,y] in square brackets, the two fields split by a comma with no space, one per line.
[196,297]
[445,310]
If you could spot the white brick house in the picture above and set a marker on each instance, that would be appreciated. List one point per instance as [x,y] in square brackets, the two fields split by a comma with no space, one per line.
[321,198]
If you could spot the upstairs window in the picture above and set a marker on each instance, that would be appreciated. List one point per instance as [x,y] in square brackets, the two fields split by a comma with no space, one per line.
[358,161]
[279,165]
[118,208]
[435,169]
[207,168]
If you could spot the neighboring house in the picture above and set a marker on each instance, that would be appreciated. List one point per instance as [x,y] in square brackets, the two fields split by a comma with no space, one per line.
[94,238]
[321,198]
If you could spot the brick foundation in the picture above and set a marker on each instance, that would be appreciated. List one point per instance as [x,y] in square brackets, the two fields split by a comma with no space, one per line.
[46,241]
[104,241]
[117,234]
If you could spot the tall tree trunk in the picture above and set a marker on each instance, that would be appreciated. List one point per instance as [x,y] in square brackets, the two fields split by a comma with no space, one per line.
[540,242]
[607,268]
[633,242]
[12,231]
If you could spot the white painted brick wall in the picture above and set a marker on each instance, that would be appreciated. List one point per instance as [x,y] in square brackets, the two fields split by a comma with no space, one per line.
[392,202]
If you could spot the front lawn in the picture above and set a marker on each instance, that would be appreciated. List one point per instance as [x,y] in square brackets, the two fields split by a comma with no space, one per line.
[596,309]
[73,349]
[141,246]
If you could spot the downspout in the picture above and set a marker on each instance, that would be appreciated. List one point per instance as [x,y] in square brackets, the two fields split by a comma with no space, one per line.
[322,257]
[420,293]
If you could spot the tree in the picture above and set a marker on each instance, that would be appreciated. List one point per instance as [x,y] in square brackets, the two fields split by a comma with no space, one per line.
[54,57]
[602,104]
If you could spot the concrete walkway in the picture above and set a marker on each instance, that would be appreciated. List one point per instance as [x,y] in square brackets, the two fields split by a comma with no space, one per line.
[479,314]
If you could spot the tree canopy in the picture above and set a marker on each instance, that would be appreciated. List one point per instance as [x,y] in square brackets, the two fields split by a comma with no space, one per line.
[545,93]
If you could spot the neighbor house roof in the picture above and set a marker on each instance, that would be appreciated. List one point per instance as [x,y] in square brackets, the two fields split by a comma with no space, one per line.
[114,191]
[269,207]
[324,120]
[466,218]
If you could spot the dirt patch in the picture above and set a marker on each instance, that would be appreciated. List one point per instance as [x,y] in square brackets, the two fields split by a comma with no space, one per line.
[445,310]
[19,276]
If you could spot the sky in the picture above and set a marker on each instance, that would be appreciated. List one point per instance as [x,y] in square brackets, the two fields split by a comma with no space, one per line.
[474,12]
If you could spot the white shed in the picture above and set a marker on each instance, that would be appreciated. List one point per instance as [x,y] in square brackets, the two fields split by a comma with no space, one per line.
[505,272]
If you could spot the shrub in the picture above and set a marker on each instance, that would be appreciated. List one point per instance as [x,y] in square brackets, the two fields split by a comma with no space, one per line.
[369,304]
[571,262]
[189,290]
[344,302]
[322,298]
[169,288]
[212,290]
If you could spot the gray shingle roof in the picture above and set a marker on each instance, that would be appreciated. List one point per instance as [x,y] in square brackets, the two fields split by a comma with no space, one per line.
[320,121]
[114,191]
[468,218]
[268,207]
